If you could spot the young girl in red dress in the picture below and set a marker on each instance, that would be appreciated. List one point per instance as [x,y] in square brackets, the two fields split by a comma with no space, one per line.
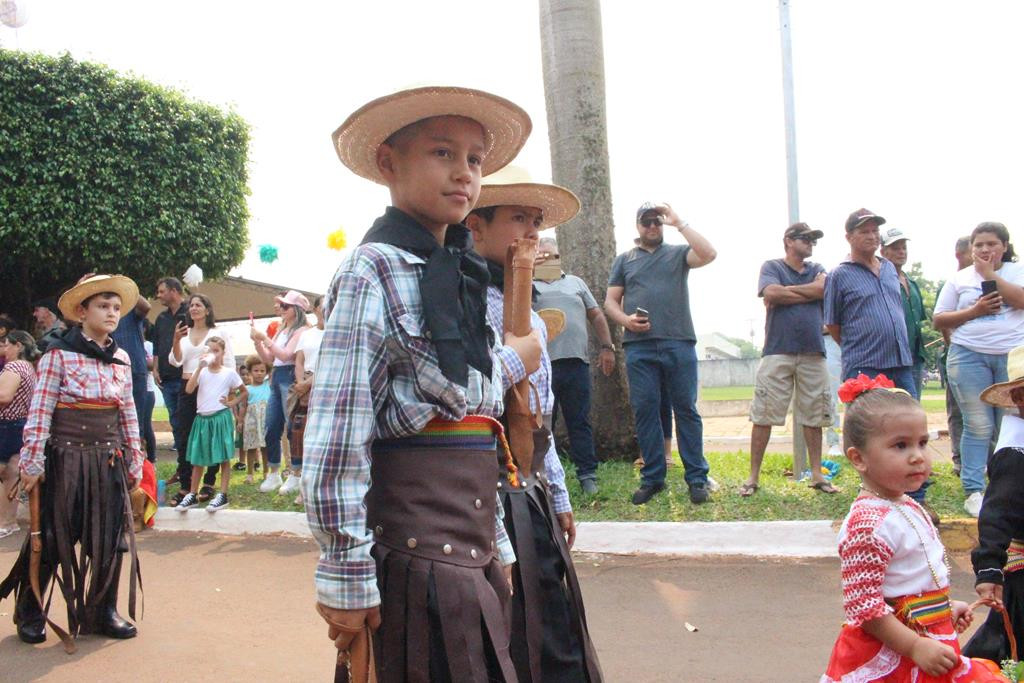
[901,625]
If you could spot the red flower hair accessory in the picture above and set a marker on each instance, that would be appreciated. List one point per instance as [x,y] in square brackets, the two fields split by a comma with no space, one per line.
[854,387]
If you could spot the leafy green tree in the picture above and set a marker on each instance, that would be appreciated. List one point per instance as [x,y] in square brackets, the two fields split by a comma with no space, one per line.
[107,173]
[747,349]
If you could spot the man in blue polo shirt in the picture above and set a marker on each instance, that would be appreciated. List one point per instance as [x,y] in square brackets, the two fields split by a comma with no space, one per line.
[650,281]
[864,308]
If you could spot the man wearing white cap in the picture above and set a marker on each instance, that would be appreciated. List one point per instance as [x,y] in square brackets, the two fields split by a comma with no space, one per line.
[894,248]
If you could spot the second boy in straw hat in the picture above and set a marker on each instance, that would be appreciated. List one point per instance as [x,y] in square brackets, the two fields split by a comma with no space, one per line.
[999,558]
[405,396]
[550,640]
[82,439]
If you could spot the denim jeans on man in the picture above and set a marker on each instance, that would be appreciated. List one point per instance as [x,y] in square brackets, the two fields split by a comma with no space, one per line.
[170,389]
[652,364]
[969,373]
[281,379]
[570,383]
[143,410]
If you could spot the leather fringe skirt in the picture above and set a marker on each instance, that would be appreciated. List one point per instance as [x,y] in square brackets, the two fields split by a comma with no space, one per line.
[550,640]
[84,501]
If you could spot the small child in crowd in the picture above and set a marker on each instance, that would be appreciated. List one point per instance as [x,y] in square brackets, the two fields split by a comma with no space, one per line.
[900,622]
[238,412]
[255,416]
[211,441]
[999,558]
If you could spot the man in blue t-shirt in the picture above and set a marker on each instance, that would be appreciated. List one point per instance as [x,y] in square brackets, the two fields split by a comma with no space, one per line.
[793,359]
[650,281]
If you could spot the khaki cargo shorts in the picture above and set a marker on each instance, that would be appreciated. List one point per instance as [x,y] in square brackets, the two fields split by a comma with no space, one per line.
[778,376]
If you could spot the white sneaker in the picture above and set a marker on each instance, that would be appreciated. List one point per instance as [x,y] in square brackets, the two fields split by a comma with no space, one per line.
[835,451]
[273,481]
[291,485]
[973,503]
[712,484]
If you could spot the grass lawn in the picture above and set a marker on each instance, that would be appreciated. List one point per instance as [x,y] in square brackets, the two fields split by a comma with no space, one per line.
[726,393]
[778,499]
[160,414]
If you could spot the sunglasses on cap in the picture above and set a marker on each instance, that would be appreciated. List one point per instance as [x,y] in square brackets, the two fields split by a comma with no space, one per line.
[651,222]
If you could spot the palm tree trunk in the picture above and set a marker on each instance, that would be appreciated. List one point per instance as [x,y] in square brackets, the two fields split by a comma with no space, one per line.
[573,62]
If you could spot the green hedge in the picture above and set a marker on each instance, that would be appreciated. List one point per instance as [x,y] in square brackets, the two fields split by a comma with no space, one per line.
[104,172]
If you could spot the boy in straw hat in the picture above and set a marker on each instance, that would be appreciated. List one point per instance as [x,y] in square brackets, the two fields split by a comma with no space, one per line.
[999,558]
[82,439]
[405,396]
[550,640]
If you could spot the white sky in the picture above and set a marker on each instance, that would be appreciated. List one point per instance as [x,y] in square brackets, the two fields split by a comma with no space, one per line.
[911,108]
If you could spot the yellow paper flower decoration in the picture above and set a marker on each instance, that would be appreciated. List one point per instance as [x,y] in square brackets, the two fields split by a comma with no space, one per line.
[336,240]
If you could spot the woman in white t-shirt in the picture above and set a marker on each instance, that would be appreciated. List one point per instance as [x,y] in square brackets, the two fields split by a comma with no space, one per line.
[279,352]
[306,355]
[189,346]
[984,327]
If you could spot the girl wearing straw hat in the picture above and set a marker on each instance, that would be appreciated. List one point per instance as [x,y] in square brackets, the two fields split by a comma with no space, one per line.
[999,558]
[82,439]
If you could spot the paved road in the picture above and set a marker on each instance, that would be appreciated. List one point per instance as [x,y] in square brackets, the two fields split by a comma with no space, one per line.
[240,609]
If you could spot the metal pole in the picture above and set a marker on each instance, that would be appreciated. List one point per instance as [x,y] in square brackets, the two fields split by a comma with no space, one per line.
[799,445]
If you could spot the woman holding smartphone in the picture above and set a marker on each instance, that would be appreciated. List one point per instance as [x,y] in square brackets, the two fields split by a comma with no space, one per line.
[189,347]
[983,307]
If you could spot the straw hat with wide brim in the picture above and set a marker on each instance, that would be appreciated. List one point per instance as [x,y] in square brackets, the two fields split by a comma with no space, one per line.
[999,394]
[554,320]
[506,125]
[118,284]
[512,187]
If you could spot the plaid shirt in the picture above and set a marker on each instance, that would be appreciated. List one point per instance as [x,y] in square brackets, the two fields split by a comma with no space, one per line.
[377,377]
[70,377]
[541,379]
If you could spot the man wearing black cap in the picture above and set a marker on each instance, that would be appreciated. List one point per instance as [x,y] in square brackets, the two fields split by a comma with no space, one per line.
[650,281]
[794,354]
[864,308]
[48,321]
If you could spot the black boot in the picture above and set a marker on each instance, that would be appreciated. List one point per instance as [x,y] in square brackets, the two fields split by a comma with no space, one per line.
[29,618]
[111,623]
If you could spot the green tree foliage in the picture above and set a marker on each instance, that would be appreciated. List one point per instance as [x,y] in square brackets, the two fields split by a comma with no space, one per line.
[107,173]
[929,292]
[747,349]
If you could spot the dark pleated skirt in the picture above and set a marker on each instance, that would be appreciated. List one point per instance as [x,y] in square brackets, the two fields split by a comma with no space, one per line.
[990,640]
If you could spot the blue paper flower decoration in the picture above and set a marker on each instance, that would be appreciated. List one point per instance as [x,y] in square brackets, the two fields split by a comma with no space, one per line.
[268,253]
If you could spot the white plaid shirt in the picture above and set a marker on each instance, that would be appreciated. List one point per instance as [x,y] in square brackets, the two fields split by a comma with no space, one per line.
[541,379]
[377,378]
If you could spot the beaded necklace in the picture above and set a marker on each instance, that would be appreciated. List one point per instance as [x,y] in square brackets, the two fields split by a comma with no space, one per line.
[898,506]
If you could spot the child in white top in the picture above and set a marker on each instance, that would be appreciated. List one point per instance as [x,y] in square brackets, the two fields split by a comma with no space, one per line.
[901,625]
[211,441]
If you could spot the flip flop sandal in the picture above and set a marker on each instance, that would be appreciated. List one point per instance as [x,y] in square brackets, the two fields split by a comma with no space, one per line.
[748,490]
[824,487]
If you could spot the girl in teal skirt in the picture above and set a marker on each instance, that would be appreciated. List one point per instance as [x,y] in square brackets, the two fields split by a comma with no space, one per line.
[212,439]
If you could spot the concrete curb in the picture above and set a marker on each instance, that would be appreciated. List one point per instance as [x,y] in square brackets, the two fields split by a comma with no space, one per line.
[801,539]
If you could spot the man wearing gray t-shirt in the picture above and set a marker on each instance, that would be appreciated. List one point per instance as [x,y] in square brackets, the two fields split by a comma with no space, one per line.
[650,282]
[570,357]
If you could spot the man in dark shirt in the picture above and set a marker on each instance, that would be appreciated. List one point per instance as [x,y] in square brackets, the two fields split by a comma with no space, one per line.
[47,317]
[167,377]
[894,248]
[794,354]
[650,282]
[128,336]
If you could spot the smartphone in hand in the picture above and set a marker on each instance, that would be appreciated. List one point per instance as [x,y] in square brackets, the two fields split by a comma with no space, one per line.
[642,313]
[988,287]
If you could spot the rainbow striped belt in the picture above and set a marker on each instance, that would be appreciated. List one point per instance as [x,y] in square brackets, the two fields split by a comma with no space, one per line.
[1014,557]
[474,432]
[920,612]
[87,404]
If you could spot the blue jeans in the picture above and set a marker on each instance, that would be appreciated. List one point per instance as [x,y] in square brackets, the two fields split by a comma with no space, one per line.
[969,373]
[651,365]
[281,379]
[570,383]
[170,389]
[902,376]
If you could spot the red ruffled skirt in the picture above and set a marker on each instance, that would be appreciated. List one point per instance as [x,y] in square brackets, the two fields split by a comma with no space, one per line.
[861,658]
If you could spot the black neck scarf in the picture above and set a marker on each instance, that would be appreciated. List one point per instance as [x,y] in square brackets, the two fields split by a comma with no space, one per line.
[453,289]
[73,340]
[497,272]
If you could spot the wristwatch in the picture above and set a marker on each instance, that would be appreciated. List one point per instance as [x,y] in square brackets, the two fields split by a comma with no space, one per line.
[610,347]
